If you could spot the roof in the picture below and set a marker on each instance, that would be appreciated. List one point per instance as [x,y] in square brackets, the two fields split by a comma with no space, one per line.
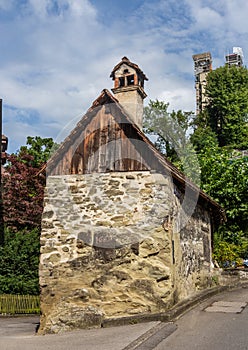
[203,55]
[163,165]
[130,64]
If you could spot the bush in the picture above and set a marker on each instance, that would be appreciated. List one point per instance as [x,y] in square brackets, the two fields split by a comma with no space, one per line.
[19,263]
[228,253]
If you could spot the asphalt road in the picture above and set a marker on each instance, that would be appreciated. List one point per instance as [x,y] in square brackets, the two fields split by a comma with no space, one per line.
[212,325]
[18,333]
[213,329]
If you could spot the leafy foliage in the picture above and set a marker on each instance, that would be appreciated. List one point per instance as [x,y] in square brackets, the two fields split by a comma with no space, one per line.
[23,187]
[39,148]
[23,184]
[226,113]
[226,254]
[219,135]
[203,138]
[19,261]
[22,193]
[169,128]
[225,178]
[229,253]
[224,170]
[170,132]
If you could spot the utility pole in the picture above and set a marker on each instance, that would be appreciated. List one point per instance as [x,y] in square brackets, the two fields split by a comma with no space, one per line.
[1,192]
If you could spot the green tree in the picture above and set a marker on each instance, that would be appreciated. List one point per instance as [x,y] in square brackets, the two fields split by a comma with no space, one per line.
[226,113]
[39,148]
[23,188]
[202,136]
[225,178]
[170,133]
[224,171]
[169,129]
[218,133]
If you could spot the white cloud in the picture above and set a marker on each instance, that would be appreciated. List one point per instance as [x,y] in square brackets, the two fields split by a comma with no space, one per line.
[82,8]
[206,17]
[179,97]
[61,8]
[56,56]
[236,16]
[6,4]
[39,7]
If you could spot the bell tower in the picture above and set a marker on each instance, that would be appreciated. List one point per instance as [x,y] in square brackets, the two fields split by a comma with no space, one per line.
[202,66]
[129,89]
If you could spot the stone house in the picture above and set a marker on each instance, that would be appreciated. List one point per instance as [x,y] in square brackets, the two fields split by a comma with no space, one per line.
[124,232]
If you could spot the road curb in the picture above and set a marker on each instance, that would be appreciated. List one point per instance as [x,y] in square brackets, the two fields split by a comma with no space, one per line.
[175,312]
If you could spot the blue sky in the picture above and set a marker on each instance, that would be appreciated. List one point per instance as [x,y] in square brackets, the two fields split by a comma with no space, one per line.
[57,55]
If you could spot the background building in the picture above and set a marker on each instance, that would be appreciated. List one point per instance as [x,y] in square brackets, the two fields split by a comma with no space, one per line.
[202,66]
[235,58]
[4,149]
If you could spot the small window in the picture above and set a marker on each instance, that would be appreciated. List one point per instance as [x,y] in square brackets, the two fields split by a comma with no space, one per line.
[141,83]
[130,79]
[125,71]
[121,81]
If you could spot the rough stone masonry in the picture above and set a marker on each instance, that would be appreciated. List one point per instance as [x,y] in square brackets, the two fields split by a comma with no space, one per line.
[110,248]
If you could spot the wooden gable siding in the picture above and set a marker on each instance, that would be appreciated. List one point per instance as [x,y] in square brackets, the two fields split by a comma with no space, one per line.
[104,145]
[106,122]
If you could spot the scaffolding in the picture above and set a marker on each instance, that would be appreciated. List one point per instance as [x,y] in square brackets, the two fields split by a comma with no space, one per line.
[236,58]
[202,66]
[202,63]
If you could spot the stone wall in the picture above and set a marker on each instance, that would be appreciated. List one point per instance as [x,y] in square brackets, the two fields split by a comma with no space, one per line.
[193,258]
[109,248]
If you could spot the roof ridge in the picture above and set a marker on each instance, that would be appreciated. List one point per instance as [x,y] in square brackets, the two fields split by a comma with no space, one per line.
[129,63]
[107,97]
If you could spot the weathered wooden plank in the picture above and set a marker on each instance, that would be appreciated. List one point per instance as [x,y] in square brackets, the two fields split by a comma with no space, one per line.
[105,145]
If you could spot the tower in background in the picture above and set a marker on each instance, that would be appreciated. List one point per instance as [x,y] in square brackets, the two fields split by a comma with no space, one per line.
[236,58]
[202,66]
